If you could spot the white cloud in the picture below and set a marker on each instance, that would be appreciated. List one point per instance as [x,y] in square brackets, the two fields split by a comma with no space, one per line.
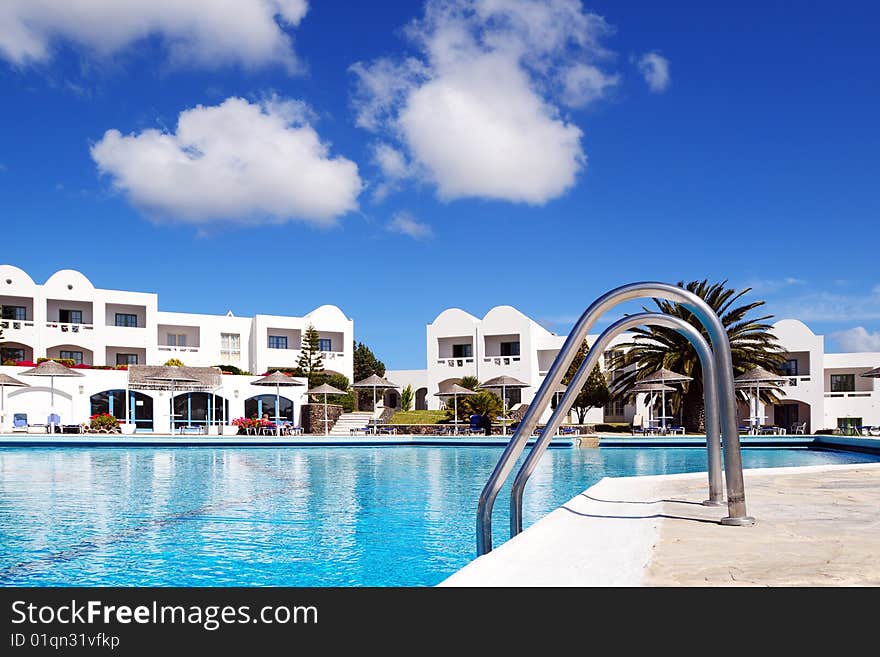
[394,167]
[238,161]
[584,84]
[858,339]
[406,224]
[477,113]
[655,69]
[829,306]
[202,32]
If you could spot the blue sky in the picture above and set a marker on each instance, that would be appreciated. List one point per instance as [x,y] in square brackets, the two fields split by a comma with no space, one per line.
[399,158]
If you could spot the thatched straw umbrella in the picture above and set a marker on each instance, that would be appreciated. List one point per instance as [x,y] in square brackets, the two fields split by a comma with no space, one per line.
[51,369]
[326,389]
[376,383]
[753,380]
[665,376]
[454,391]
[277,379]
[650,387]
[504,382]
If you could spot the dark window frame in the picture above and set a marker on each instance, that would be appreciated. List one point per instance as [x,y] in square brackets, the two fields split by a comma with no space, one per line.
[128,359]
[511,347]
[78,360]
[838,385]
[131,320]
[16,315]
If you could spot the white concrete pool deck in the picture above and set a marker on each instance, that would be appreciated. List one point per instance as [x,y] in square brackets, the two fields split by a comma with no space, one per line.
[816,526]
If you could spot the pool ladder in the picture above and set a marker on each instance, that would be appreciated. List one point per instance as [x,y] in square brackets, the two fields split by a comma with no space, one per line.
[721,422]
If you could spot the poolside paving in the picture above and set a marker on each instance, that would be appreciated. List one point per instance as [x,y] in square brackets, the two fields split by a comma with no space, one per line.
[816,526]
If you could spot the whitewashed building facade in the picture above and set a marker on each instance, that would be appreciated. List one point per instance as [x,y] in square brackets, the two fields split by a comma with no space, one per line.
[68,317]
[822,390]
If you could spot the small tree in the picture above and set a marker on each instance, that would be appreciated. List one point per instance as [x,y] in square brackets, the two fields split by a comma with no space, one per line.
[469,382]
[594,392]
[174,362]
[365,364]
[310,360]
[406,398]
[483,403]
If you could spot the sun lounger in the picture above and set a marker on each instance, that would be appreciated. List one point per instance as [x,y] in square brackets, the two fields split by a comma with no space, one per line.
[638,426]
[19,422]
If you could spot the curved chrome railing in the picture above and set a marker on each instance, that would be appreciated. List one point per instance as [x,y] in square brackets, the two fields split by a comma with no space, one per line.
[736,502]
[710,395]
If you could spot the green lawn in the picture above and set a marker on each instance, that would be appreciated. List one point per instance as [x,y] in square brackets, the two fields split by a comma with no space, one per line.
[418,417]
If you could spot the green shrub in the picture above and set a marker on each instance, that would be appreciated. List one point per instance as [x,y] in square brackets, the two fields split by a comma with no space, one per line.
[174,362]
[232,369]
[614,427]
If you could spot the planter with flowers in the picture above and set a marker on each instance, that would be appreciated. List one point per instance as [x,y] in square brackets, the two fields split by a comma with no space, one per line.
[104,423]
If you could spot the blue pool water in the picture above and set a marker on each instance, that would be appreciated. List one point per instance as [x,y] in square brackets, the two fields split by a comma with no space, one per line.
[326,516]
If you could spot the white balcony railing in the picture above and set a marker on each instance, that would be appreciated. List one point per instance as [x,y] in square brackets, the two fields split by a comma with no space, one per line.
[70,328]
[455,362]
[849,394]
[794,381]
[501,360]
[168,347]
[332,354]
[15,324]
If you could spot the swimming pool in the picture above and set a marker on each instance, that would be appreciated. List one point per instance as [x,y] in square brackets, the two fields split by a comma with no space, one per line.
[321,516]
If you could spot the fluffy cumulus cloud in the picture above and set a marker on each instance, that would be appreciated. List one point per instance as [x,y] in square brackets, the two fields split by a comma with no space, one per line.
[238,161]
[478,111]
[655,69]
[202,32]
[858,339]
[405,224]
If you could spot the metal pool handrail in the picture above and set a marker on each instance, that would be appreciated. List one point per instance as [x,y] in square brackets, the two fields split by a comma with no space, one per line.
[727,406]
[710,395]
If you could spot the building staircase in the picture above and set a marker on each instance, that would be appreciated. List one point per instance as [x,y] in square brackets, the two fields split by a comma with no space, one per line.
[349,421]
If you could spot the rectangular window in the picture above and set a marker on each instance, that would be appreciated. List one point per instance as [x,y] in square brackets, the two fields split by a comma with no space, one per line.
[70,316]
[230,344]
[15,312]
[75,356]
[843,382]
[847,425]
[11,353]
[462,351]
[176,339]
[510,348]
[614,408]
[324,344]
[126,319]
[790,367]
[277,342]
[126,359]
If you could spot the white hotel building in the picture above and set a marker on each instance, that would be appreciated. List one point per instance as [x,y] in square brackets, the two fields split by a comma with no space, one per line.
[68,317]
[823,390]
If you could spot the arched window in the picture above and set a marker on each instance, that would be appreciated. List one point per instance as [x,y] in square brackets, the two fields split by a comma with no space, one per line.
[421,399]
[257,406]
[113,402]
[192,409]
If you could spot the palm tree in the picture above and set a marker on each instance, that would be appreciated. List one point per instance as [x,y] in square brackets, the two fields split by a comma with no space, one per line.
[751,345]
